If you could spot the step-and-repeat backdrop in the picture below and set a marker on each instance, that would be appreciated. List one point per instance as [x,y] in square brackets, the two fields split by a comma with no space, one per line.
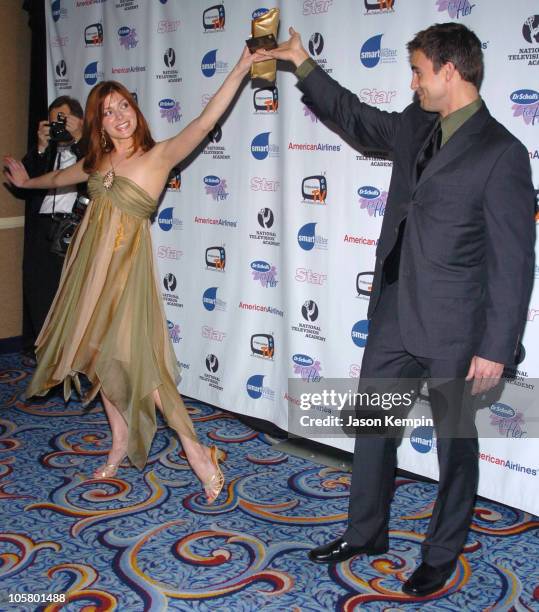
[265,242]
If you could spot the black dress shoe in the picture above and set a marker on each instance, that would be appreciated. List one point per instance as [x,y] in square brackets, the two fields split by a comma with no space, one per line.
[427,579]
[339,550]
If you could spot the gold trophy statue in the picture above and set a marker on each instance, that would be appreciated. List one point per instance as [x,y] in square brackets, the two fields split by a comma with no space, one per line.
[264,36]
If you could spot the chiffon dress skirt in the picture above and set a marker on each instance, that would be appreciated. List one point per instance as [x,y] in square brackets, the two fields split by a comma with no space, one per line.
[107,320]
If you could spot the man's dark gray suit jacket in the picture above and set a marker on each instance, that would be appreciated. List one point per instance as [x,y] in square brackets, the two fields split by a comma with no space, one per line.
[467,257]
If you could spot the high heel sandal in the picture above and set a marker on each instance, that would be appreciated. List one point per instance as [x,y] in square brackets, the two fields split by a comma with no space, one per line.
[108,470]
[216,481]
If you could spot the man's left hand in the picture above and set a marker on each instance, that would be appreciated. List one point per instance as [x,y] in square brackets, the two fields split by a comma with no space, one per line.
[485,374]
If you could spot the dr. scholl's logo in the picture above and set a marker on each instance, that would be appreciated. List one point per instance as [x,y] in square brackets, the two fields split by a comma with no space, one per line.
[92,74]
[455,8]
[265,273]
[372,200]
[364,284]
[174,331]
[167,221]
[215,258]
[530,30]
[265,218]
[374,7]
[263,345]
[174,180]
[128,37]
[169,296]
[261,147]
[307,112]
[256,389]
[216,188]
[422,439]
[213,18]
[372,52]
[169,74]
[526,105]
[306,367]
[61,80]
[308,239]
[314,189]
[507,420]
[258,12]
[57,10]
[266,100]
[360,333]
[316,47]
[210,65]
[211,302]
[93,35]
[307,327]
[170,110]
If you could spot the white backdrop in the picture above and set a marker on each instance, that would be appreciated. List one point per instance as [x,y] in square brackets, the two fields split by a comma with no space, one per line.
[266,241]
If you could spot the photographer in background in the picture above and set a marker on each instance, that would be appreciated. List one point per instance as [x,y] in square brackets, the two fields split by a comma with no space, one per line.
[47,213]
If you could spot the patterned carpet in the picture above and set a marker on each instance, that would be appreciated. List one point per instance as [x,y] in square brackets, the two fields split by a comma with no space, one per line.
[147,541]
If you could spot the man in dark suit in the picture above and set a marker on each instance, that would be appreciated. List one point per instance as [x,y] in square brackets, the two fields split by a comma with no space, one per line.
[43,211]
[453,274]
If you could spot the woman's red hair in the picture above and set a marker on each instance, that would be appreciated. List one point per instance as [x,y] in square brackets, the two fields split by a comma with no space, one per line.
[93,122]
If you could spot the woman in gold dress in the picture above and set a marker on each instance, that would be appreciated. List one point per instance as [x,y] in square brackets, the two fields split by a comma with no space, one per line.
[107,319]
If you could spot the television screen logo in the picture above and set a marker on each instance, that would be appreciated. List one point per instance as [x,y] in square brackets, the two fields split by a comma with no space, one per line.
[266,99]
[174,179]
[93,35]
[216,258]
[309,311]
[213,18]
[263,345]
[379,6]
[364,284]
[314,189]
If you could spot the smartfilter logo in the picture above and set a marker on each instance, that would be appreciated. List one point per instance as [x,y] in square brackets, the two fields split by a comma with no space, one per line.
[360,333]
[264,273]
[92,74]
[372,52]
[210,65]
[256,389]
[309,239]
[211,302]
[526,105]
[261,147]
[372,200]
[167,221]
[422,439]
[127,37]
[170,110]
[57,10]
[216,188]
